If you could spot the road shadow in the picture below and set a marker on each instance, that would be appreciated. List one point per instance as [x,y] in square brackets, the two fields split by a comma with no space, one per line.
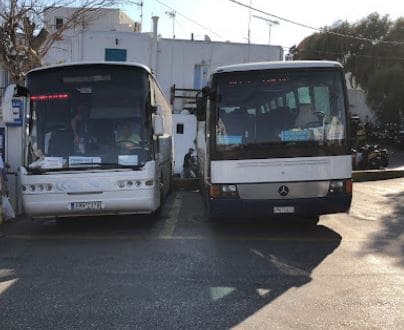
[107,226]
[389,239]
[193,221]
[150,283]
[215,280]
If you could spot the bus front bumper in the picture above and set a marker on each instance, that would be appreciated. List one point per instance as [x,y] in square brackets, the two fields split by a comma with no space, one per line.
[303,207]
[107,203]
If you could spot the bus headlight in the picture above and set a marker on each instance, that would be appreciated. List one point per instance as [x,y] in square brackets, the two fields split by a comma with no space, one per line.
[340,186]
[37,188]
[223,191]
[130,184]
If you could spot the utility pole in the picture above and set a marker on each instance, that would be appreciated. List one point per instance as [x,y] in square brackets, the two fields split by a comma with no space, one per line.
[172,15]
[249,24]
[140,4]
[270,23]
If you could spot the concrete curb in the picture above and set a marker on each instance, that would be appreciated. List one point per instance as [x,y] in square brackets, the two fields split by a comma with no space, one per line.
[374,175]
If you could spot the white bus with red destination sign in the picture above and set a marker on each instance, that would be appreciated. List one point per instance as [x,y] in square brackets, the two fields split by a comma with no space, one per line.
[97,140]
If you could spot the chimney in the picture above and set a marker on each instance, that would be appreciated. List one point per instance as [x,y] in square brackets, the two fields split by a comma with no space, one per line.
[153,55]
[155,26]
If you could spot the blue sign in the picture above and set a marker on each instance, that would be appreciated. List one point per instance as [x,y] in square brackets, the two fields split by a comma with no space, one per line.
[297,135]
[113,54]
[229,139]
[17,106]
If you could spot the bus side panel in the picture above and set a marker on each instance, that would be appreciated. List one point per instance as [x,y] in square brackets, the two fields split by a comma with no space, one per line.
[281,170]
[165,162]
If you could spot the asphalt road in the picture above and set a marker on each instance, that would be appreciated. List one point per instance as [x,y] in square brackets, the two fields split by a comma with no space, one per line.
[183,271]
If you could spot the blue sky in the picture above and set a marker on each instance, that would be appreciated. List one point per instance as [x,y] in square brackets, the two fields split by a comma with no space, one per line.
[225,20]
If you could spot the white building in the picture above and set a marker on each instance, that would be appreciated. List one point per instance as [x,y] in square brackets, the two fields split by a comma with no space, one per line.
[183,63]
[105,19]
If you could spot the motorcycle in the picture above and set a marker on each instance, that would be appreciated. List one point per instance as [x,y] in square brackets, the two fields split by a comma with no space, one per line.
[370,157]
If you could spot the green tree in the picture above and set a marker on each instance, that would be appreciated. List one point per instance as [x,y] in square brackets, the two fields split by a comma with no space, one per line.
[385,92]
[373,51]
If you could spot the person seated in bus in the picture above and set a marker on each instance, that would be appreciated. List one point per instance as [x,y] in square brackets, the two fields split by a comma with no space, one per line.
[221,123]
[128,137]
[79,125]
[306,117]
[79,122]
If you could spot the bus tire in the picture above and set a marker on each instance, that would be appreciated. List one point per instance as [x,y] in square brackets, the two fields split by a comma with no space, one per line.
[312,221]
[157,212]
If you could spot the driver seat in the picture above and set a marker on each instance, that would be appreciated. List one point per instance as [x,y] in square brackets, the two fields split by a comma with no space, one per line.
[305,116]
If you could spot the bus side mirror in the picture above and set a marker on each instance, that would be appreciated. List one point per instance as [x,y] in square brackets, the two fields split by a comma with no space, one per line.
[158,125]
[205,91]
[201,101]
[200,107]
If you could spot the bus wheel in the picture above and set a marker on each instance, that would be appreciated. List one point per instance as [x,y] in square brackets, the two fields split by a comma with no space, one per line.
[157,213]
[312,221]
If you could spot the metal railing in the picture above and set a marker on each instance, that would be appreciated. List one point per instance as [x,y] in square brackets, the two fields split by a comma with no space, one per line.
[188,95]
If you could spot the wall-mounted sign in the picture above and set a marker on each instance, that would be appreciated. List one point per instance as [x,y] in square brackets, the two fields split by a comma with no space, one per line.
[15,113]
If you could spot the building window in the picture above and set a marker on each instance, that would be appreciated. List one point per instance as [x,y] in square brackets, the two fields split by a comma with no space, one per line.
[180,128]
[113,54]
[58,23]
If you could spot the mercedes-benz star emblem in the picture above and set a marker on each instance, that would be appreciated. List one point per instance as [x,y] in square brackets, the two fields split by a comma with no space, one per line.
[283,190]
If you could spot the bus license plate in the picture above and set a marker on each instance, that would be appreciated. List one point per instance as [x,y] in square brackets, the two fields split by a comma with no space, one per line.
[284,209]
[84,206]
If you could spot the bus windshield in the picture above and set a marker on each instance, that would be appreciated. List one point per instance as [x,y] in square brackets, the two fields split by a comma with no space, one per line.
[88,116]
[279,113]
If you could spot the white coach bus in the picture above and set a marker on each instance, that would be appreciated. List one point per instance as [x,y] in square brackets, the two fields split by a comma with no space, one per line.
[98,141]
[273,140]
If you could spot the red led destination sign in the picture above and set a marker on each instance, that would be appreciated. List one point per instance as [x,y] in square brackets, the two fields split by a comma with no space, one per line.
[51,97]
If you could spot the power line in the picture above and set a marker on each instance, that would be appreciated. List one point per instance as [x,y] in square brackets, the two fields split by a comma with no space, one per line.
[320,51]
[321,30]
[190,19]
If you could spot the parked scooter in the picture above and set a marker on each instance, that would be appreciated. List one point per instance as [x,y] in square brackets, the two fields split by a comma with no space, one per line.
[370,157]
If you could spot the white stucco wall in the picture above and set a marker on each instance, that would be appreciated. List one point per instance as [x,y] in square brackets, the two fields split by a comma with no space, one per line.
[358,105]
[176,59]
[100,20]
